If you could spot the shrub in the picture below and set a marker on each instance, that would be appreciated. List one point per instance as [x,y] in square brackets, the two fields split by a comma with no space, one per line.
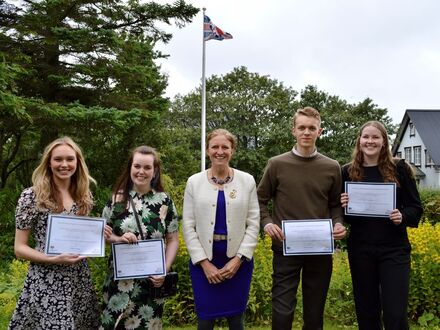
[100,197]
[99,269]
[8,202]
[424,287]
[260,299]
[339,307]
[425,271]
[179,309]
[10,288]
[431,205]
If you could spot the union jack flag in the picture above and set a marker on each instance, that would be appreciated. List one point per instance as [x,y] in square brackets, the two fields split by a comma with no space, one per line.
[210,31]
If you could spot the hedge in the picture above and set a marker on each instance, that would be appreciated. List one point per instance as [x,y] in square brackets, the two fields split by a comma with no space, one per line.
[179,310]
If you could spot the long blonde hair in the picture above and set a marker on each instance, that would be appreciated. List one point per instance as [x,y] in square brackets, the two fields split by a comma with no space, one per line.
[46,191]
[386,164]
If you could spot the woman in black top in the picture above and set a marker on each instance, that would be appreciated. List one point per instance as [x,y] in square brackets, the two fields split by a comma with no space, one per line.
[378,248]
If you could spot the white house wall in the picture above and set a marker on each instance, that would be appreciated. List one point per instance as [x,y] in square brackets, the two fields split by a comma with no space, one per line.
[432,178]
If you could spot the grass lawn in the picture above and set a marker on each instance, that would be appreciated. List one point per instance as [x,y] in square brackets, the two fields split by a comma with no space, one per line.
[327,326]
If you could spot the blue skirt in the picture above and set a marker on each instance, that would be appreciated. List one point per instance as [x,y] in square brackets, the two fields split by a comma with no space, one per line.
[225,299]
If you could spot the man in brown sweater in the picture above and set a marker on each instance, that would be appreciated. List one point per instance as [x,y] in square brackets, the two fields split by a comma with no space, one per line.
[303,184]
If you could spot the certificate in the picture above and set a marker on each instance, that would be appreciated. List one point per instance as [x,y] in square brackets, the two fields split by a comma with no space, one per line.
[75,234]
[139,260]
[309,236]
[370,199]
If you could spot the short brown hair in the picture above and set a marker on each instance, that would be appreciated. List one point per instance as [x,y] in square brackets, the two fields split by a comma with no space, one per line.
[308,112]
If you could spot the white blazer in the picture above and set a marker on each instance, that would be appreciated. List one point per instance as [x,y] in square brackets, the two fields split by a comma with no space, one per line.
[242,215]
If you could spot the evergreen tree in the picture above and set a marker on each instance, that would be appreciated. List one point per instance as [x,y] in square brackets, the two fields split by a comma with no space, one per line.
[83,68]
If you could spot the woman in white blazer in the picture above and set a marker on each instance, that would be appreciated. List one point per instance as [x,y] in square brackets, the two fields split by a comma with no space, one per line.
[220,227]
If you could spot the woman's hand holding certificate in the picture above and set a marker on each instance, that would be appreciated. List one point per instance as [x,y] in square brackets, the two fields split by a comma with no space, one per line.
[144,259]
[82,236]
[370,199]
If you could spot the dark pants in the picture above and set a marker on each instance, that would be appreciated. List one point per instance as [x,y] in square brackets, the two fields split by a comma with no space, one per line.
[380,277]
[316,273]
[235,322]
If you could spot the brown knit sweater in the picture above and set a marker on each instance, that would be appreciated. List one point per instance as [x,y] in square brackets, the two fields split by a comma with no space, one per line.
[300,188]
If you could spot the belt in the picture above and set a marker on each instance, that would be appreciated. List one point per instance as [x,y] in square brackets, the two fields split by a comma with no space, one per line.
[217,237]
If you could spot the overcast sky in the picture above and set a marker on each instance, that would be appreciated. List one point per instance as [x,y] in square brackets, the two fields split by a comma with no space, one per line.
[387,50]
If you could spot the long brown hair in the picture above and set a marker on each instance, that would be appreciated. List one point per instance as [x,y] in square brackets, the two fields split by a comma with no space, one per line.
[45,189]
[124,183]
[386,164]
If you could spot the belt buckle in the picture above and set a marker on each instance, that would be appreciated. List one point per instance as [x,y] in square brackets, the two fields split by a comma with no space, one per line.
[220,237]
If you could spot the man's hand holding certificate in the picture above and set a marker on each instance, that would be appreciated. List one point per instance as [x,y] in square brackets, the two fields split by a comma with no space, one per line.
[370,199]
[307,237]
[78,235]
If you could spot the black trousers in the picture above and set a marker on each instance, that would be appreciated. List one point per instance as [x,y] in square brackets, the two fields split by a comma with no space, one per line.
[380,277]
[315,272]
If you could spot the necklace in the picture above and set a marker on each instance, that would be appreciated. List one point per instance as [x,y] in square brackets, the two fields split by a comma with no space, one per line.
[218,181]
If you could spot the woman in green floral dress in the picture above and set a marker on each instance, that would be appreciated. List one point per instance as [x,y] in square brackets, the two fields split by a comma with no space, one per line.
[127,304]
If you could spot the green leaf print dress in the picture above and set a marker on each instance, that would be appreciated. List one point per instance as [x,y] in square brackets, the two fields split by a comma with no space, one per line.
[126,302]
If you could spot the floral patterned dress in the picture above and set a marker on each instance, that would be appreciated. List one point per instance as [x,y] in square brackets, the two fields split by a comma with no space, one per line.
[126,302]
[54,296]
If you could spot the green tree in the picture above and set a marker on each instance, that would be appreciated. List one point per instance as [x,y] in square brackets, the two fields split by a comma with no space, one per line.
[80,68]
[95,52]
[83,68]
[341,121]
[255,108]
[14,120]
[259,109]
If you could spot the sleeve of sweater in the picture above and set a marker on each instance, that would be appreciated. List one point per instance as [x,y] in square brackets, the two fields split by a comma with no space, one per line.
[334,206]
[411,206]
[265,192]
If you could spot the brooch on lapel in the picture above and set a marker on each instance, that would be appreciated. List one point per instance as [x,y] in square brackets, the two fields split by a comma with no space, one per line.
[233,194]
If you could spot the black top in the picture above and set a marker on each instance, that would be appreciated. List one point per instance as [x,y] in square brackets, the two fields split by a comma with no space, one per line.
[375,230]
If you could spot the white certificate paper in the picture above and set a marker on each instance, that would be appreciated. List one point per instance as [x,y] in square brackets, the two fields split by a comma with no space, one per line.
[139,260]
[309,236]
[75,234]
[370,199]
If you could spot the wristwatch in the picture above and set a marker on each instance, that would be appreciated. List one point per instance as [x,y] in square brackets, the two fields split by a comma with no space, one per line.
[242,257]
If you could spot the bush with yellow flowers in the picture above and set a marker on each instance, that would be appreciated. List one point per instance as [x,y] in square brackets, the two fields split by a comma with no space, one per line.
[179,310]
[431,205]
[424,307]
[10,288]
[424,295]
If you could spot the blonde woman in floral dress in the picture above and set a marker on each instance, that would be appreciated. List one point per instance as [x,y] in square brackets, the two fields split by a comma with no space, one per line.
[58,291]
[127,304]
